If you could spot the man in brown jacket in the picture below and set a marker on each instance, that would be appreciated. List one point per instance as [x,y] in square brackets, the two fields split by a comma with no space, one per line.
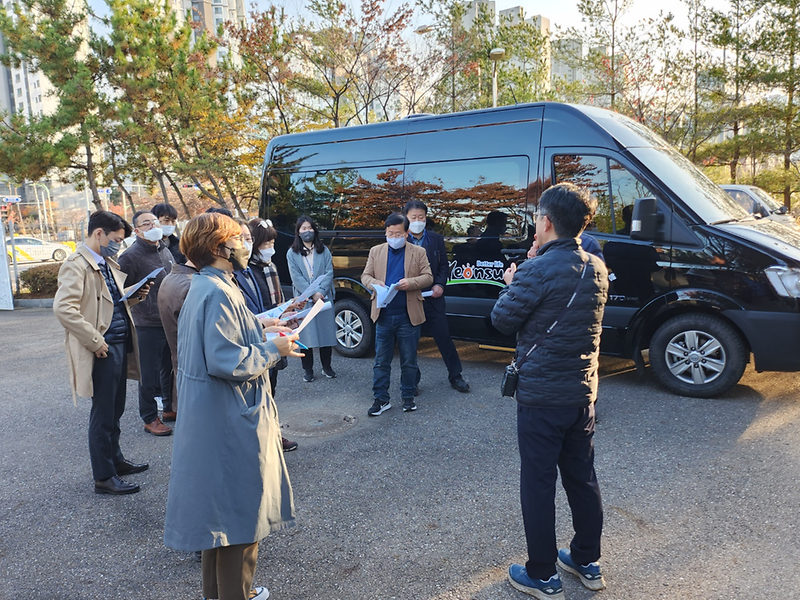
[101,344]
[406,267]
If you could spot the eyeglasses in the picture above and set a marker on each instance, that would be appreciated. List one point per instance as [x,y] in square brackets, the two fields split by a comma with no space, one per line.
[394,234]
[147,225]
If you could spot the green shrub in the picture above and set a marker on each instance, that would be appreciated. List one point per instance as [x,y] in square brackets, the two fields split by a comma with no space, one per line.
[41,280]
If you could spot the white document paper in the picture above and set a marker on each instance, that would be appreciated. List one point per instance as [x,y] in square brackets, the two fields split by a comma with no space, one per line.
[427,294]
[139,284]
[385,294]
[315,310]
[311,289]
[274,313]
[306,311]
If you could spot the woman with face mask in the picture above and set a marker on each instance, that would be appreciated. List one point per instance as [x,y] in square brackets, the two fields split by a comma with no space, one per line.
[229,487]
[265,274]
[308,259]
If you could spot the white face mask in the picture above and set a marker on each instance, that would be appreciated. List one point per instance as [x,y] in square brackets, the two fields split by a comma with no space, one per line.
[417,227]
[266,254]
[154,234]
[168,230]
[396,243]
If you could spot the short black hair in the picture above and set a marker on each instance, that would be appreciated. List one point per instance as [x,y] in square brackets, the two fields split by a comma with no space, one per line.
[412,204]
[108,222]
[220,210]
[396,219]
[569,208]
[138,214]
[164,210]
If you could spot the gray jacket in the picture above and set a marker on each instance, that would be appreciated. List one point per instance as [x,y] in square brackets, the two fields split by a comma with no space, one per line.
[321,332]
[229,483]
[562,372]
[136,262]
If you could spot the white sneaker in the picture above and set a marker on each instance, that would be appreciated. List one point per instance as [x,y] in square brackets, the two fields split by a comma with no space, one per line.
[259,593]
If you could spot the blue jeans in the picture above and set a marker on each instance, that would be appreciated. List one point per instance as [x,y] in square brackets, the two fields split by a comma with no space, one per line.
[391,329]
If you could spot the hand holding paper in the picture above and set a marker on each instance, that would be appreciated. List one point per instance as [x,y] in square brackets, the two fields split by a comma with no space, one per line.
[385,294]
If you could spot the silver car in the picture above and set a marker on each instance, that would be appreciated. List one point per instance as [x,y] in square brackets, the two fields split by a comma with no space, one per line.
[759,203]
[32,249]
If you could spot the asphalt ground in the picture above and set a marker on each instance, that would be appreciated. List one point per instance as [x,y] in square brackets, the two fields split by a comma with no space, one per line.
[701,496]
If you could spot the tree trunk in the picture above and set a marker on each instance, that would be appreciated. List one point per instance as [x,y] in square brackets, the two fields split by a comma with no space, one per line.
[180,195]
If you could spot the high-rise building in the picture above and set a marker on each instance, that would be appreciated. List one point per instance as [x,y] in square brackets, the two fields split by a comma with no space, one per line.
[475,8]
[212,14]
[515,16]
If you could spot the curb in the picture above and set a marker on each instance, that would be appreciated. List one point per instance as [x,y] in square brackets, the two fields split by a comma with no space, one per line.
[33,303]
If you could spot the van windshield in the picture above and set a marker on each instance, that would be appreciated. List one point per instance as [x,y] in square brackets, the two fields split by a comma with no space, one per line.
[699,193]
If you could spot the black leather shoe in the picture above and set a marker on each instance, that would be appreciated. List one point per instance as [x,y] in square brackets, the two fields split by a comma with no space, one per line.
[126,467]
[115,485]
[460,385]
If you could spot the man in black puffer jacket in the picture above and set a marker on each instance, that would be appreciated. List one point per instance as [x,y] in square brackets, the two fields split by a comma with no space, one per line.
[557,389]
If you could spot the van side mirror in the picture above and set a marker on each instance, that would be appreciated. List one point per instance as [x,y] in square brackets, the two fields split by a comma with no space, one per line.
[645,220]
[782,210]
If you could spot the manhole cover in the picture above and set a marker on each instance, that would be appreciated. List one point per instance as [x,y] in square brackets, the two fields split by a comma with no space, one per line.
[312,424]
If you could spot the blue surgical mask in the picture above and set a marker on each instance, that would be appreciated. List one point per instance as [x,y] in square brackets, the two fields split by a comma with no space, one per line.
[110,250]
[396,243]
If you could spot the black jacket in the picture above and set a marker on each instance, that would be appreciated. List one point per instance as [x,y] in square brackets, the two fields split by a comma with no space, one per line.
[138,261]
[437,257]
[562,372]
[174,245]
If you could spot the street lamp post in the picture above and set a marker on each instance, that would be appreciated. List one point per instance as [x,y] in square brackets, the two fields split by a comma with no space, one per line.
[427,29]
[495,55]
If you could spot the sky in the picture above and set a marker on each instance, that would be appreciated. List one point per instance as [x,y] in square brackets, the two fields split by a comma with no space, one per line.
[562,14]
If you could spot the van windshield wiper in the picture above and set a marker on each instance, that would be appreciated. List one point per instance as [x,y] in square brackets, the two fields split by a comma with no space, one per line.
[723,221]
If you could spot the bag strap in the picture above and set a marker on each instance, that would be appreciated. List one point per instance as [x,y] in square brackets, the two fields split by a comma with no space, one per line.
[547,331]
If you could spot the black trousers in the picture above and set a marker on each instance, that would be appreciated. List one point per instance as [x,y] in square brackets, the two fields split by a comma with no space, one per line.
[436,326]
[550,439]
[155,362]
[109,378]
[324,356]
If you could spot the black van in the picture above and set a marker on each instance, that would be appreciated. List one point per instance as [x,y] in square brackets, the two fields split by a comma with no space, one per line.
[694,278]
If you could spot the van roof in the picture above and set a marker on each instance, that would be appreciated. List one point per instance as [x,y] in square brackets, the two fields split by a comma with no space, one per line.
[611,127]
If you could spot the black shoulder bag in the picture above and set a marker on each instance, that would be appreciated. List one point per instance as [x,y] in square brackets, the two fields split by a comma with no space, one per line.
[508,387]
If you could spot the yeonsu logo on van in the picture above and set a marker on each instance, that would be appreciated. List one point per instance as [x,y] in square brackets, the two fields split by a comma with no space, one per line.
[483,271]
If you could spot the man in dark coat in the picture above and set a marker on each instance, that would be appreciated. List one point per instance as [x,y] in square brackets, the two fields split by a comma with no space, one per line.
[146,254]
[435,324]
[554,303]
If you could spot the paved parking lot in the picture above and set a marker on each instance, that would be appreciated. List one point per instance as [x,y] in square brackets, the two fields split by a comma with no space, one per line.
[701,496]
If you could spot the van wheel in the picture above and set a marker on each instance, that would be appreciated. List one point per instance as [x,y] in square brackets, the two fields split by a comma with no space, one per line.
[354,329]
[698,355]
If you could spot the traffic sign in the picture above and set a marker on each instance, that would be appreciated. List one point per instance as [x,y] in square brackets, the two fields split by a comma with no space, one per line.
[12,199]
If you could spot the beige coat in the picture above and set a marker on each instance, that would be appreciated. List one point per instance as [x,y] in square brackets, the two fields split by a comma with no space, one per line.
[417,270]
[85,308]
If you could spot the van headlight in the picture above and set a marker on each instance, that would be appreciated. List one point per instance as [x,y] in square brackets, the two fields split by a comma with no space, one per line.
[785,281]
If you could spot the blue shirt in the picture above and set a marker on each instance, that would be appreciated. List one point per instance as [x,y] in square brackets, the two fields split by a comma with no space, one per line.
[395,271]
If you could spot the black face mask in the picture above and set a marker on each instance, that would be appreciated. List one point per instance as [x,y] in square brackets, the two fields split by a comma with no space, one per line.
[238,257]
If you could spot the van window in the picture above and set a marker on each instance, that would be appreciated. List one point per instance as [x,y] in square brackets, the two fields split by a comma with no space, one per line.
[354,198]
[615,188]
[489,194]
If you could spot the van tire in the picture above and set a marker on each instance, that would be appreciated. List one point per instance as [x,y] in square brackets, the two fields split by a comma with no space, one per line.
[682,351]
[59,255]
[355,331]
